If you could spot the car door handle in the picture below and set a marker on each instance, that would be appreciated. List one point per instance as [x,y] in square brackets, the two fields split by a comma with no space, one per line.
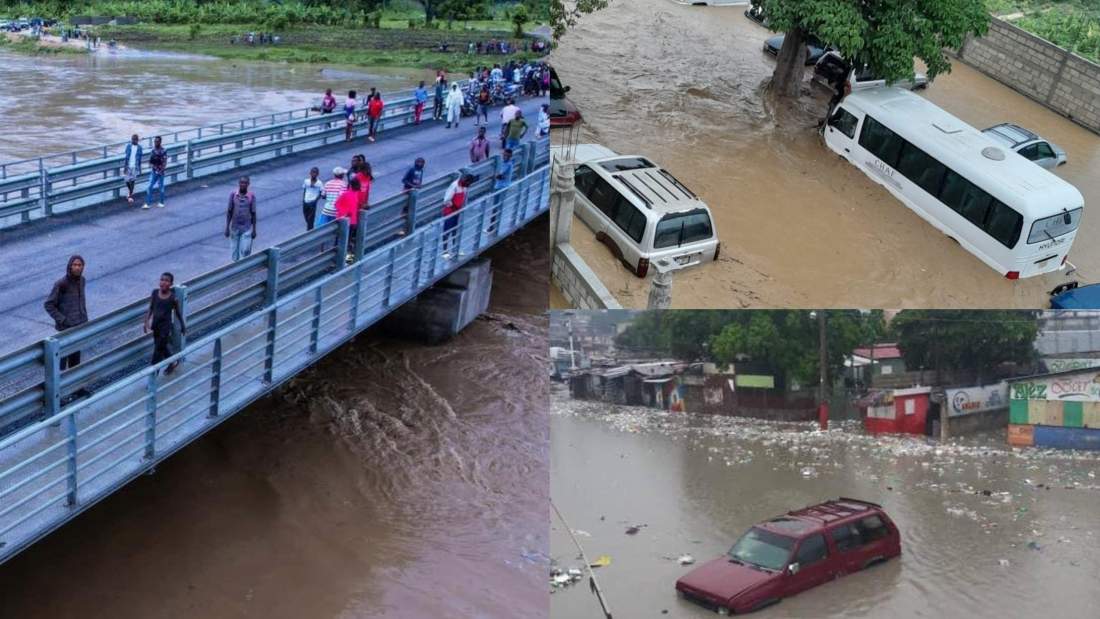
[847,150]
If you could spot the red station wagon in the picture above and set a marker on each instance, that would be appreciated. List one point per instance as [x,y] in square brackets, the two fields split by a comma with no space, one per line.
[791,553]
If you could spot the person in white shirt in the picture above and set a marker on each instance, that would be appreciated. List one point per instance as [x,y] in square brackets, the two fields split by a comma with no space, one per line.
[132,166]
[455,99]
[313,190]
[544,120]
[506,116]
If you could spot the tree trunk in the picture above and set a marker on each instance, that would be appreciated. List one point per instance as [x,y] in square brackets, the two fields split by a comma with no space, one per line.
[790,66]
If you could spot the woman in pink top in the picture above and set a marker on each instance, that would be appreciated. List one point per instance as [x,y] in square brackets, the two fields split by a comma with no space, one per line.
[347,207]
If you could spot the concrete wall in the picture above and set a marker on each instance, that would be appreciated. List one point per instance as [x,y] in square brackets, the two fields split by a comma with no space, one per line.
[577,282]
[978,422]
[1060,80]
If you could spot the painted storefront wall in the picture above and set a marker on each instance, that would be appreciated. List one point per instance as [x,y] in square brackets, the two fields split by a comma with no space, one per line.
[1057,410]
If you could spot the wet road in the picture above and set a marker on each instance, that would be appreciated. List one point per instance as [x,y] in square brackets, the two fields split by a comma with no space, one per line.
[54,104]
[392,479]
[799,227]
[697,483]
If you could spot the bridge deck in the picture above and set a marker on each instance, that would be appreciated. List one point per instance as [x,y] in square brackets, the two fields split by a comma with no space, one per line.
[126,248]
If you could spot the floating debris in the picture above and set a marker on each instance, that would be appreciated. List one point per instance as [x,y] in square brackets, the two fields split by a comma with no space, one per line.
[685,560]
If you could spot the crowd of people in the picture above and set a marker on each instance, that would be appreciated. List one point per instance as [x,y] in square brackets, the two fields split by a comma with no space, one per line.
[342,196]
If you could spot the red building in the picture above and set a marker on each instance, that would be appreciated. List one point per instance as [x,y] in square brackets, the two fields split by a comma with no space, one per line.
[901,411]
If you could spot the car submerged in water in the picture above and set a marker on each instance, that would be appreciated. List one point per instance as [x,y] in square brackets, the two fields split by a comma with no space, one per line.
[789,554]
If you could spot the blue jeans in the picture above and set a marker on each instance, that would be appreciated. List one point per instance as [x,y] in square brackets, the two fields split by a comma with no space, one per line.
[156,180]
[512,144]
[241,243]
[322,219]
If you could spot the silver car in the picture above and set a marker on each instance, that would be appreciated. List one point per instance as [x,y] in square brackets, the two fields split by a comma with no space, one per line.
[1027,144]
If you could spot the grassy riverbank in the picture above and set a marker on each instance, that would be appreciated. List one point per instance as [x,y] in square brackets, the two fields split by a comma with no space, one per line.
[317,44]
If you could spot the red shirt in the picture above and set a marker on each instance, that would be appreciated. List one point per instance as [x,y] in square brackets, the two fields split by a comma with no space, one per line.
[347,205]
[374,108]
[364,189]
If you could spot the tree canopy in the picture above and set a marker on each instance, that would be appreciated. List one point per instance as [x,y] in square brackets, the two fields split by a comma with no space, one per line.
[564,14]
[885,34]
[965,339]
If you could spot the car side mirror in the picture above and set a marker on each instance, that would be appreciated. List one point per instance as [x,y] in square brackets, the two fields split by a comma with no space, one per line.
[566,89]
[792,569]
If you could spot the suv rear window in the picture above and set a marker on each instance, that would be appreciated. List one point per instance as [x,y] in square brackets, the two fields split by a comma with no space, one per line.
[681,228]
[872,528]
[1054,226]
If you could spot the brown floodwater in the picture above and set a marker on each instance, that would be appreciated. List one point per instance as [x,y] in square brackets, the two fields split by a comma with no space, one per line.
[54,104]
[392,479]
[799,227]
[1031,548]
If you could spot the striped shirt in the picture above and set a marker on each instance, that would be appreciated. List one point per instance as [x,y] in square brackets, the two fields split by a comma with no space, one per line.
[333,188]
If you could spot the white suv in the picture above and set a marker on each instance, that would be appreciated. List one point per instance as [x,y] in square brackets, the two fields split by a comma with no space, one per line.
[641,212]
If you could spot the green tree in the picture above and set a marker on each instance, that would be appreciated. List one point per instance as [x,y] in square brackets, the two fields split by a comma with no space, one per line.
[965,339]
[885,34]
[519,18]
[564,17]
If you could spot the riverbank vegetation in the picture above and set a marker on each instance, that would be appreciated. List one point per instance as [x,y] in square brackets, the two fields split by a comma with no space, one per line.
[408,33]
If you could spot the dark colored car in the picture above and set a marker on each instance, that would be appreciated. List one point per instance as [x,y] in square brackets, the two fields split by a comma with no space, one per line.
[1073,296]
[563,113]
[814,49]
[789,554]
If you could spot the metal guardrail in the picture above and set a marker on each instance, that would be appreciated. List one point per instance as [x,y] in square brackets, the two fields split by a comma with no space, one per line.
[55,468]
[37,188]
[112,344]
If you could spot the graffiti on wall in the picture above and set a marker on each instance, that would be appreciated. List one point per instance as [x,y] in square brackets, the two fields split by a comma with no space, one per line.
[1079,387]
[976,399]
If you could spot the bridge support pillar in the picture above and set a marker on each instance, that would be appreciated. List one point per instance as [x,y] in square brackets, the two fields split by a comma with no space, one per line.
[442,311]
[562,199]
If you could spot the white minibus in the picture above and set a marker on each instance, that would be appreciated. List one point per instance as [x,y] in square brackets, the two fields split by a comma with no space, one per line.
[1012,214]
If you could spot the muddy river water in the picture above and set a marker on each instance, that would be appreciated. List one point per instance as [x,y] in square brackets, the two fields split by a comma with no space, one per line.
[799,227]
[1028,548]
[392,479]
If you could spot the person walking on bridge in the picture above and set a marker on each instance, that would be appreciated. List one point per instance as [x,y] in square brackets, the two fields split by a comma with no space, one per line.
[453,201]
[312,193]
[421,95]
[374,115]
[544,120]
[479,147]
[163,303]
[67,306]
[506,115]
[517,128]
[158,162]
[440,95]
[240,220]
[414,178]
[349,115]
[132,166]
[455,99]
[333,188]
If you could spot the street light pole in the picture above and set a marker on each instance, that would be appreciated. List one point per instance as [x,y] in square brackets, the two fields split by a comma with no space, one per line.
[822,405]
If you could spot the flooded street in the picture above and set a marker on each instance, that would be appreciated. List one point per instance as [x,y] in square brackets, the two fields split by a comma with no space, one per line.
[799,227]
[391,479]
[986,531]
[54,104]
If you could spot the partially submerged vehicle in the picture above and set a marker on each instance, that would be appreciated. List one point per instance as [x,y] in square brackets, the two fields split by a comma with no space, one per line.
[788,554]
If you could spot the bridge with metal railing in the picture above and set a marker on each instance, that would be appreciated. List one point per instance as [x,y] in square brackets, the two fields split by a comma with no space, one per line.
[252,324]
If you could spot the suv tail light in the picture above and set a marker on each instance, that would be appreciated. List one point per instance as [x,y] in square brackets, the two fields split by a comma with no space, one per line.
[643,267]
[1012,275]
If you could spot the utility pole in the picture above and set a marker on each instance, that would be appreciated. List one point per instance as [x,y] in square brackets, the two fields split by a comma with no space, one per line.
[822,405]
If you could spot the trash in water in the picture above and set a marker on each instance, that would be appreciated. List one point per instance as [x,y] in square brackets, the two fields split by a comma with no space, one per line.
[633,530]
[808,471]
[580,533]
[1004,562]
[560,578]
[686,560]
[1033,545]
[601,561]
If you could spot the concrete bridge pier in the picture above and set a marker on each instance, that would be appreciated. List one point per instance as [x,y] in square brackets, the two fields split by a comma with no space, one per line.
[442,311]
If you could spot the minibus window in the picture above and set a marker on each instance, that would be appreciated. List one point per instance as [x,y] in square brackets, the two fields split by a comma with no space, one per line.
[883,143]
[1054,226]
[923,170]
[963,197]
[681,228]
[844,121]
[1004,224]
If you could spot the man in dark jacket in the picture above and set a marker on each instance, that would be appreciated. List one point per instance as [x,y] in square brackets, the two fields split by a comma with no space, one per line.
[66,304]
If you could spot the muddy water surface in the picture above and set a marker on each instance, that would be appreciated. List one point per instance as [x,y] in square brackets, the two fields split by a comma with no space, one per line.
[57,104]
[799,227]
[391,480]
[1030,548]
